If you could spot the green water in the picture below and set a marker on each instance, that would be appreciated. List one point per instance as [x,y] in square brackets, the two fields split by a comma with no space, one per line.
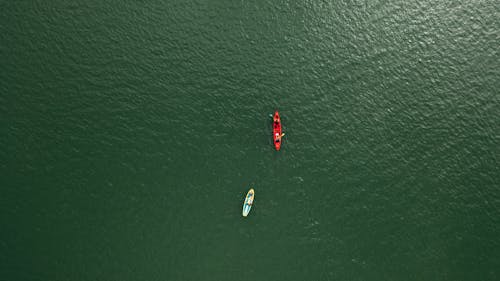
[132,130]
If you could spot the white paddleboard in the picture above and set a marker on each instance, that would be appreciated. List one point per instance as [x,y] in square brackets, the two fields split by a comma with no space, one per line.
[247,205]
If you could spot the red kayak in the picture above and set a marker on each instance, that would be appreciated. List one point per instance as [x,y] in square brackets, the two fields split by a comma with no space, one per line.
[277,130]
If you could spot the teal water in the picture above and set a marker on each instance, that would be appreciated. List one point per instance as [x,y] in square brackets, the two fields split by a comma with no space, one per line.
[132,130]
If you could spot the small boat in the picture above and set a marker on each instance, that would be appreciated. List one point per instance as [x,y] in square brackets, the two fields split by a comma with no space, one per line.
[247,205]
[277,134]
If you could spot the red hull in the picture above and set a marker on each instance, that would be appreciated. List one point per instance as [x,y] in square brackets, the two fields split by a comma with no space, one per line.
[277,131]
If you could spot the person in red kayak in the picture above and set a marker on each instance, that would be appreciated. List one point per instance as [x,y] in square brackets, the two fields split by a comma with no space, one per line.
[278,137]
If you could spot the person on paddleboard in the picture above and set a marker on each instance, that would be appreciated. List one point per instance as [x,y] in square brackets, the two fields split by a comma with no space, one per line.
[250,199]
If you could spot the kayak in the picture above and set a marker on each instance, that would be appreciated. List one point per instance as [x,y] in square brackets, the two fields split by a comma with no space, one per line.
[247,205]
[277,130]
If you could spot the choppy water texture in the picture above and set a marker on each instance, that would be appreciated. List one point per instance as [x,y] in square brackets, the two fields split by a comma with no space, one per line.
[132,130]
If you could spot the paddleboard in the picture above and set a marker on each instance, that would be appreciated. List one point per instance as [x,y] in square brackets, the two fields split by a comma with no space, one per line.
[247,205]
